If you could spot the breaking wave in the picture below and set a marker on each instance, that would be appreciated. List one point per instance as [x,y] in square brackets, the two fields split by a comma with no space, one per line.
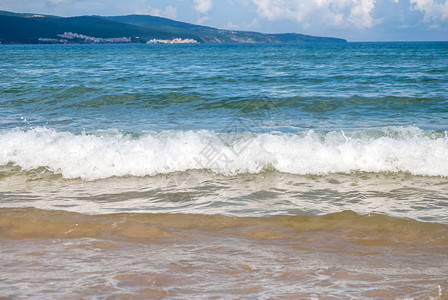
[110,153]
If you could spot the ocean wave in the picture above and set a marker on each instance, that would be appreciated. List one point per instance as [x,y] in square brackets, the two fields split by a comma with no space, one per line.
[110,153]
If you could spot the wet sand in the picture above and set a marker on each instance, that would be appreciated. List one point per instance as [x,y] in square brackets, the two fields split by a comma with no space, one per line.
[61,254]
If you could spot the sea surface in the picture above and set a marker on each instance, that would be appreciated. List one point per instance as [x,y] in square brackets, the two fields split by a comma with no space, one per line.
[271,171]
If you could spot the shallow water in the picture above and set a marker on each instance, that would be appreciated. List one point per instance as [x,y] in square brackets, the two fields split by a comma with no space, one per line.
[248,195]
[334,256]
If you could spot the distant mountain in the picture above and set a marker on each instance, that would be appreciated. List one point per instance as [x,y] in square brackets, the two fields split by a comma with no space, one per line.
[31,28]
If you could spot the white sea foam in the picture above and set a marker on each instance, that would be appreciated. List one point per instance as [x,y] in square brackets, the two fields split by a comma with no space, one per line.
[106,154]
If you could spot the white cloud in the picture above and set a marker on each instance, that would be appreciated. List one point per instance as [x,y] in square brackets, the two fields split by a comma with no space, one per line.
[253,25]
[433,10]
[203,6]
[169,12]
[232,26]
[201,20]
[141,7]
[340,13]
[360,13]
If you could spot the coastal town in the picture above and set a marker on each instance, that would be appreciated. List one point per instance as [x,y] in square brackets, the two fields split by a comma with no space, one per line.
[76,38]
[93,40]
[173,41]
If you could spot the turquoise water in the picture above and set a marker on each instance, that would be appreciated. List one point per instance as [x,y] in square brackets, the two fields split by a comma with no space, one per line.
[233,171]
[152,87]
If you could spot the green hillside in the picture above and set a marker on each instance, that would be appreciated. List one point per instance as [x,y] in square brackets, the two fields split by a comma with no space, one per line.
[35,28]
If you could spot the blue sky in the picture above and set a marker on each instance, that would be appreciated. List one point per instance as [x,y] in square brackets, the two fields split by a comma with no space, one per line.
[354,20]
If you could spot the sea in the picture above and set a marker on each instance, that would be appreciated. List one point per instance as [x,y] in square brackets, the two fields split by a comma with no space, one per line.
[224,171]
